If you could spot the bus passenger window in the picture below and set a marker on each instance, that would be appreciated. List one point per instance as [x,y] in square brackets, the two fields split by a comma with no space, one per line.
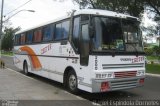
[58,33]
[22,38]
[48,33]
[17,39]
[37,35]
[29,37]
[65,29]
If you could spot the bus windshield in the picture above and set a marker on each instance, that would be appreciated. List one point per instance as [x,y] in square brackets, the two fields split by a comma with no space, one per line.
[116,34]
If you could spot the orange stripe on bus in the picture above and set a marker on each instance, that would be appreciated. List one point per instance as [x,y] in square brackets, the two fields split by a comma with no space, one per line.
[34,59]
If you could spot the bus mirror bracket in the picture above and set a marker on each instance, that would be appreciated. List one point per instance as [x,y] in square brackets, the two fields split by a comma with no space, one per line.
[91,27]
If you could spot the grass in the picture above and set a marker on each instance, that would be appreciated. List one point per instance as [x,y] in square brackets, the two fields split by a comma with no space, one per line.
[153,68]
[7,53]
[152,57]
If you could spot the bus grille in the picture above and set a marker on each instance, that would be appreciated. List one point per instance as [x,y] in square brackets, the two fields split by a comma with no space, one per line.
[122,66]
[125,74]
[125,84]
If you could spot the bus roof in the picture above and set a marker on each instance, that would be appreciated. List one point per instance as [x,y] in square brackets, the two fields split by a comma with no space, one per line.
[84,11]
[102,12]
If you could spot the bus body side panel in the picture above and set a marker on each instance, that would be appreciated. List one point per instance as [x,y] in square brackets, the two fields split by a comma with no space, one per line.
[54,59]
[19,59]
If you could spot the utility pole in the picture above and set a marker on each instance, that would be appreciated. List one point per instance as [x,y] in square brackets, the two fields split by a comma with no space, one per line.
[159,33]
[1,19]
[1,26]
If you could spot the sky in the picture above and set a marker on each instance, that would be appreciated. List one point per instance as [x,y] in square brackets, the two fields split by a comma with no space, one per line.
[147,22]
[45,10]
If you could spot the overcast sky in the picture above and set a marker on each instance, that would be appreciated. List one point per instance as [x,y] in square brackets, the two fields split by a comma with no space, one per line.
[45,10]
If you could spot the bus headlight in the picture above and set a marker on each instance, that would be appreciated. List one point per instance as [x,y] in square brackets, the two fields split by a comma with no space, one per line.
[104,75]
[140,73]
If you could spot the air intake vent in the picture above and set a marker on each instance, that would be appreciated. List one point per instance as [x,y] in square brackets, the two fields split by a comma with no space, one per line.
[119,66]
[125,74]
[123,84]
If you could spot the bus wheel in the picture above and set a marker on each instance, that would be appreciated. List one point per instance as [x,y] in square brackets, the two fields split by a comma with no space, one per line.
[72,82]
[25,68]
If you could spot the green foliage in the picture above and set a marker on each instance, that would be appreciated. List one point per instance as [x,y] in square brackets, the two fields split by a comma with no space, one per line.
[6,53]
[148,51]
[156,50]
[7,41]
[153,68]
[152,50]
[132,7]
[152,58]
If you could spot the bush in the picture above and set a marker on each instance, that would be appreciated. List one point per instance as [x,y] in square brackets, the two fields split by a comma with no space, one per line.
[148,51]
[156,50]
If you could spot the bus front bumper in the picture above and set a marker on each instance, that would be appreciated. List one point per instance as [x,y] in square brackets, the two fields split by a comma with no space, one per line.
[105,85]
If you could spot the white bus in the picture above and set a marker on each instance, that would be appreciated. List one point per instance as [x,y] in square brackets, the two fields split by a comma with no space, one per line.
[91,50]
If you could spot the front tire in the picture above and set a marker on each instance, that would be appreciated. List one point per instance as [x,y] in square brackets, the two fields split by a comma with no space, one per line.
[72,82]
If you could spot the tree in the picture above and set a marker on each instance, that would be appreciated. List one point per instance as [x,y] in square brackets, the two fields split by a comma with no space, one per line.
[7,41]
[132,7]
[156,50]
[153,6]
[150,30]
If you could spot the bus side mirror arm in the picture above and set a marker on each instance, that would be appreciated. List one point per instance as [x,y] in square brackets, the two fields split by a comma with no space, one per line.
[91,31]
[91,27]
[71,25]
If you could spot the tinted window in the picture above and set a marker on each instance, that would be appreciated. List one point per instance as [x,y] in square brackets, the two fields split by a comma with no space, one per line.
[58,34]
[108,34]
[132,36]
[48,33]
[75,36]
[65,29]
[37,35]
[17,39]
[62,30]
[29,37]
[22,38]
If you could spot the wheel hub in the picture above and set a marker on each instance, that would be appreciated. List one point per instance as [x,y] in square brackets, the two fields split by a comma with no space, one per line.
[72,82]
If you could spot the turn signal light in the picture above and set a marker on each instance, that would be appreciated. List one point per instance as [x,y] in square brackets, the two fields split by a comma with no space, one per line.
[141,81]
[104,86]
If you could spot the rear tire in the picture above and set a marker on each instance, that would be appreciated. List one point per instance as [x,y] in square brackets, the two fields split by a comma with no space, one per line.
[25,68]
[72,82]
